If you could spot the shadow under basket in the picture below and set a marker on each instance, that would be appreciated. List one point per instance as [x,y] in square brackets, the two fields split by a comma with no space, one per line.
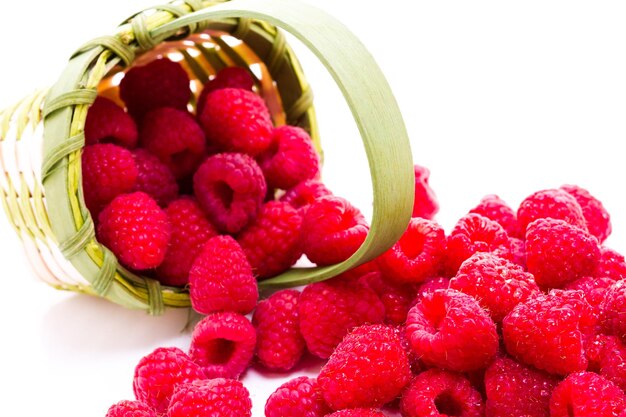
[41,137]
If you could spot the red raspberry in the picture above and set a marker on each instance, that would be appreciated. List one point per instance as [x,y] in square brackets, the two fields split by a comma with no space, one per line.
[216,397]
[136,230]
[127,408]
[439,393]
[597,218]
[290,159]
[417,255]
[611,264]
[279,342]
[220,278]
[516,252]
[332,230]
[175,138]
[190,231]
[474,233]
[305,193]
[558,253]
[514,389]
[497,284]
[396,298]
[161,83]
[154,178]
[357,412]
[556,204]
[158,373]
[612,308]
[108,171]
[607,357]
[493,207]
[328,310]
[586,394]
[230,189]
[593,288]
[236,120]
[299,397]
[425,204]
[108,123]
[229,77]
[548,331]
[367,369]
[223,344]
[429,287]
[272,242]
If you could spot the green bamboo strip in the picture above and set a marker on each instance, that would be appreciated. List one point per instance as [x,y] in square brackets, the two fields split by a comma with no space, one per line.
[114,45]
[27,210]
[212,57]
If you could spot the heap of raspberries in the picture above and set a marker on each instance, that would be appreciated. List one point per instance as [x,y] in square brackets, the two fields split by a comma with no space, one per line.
[512,313]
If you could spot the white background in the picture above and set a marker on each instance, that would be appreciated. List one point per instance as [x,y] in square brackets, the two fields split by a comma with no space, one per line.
[498,97]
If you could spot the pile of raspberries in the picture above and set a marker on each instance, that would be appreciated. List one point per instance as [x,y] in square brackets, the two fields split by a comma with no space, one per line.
[514,313]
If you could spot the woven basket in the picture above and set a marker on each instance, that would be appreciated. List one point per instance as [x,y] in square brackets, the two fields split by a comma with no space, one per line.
[42,136]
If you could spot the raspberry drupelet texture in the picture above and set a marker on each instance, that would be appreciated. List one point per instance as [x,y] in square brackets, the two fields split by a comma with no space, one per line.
[607,357]
[236,120]
[106,122]
[190,231]
[425,204]
[611,264]
[417,255]
[493,207]
[439,393]
[558,253]
[154,178]
[230,188]
[305,193]
[552,203]
[136,230]
[449,330]
[273,242]
[221,279]
[298,397]
[612,310]
[175,138]
[223,344]
[514,389]
[126,408]
[369,368]
[332,230]
[280,344]
[429,287]
[548,331]
[585,394]
[593,288]
[216,397]
[357,412]
[229,77]
[396,298]
[497,284]
[161,83]
[596,216]
[158,373]
[107,171]
[328,310]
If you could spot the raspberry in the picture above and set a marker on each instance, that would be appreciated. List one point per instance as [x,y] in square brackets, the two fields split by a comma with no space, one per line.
[190,231]
[425,204]
[332,230]
[229,77]
[223,344]
[367,369]
[175,138]
[516,252]
[127,408]
[586,394]
[396,298]
[597,218]
[497,284]
[328,310]
[556,204]
[230,188]
[108,171]
[449,329]
[607,357]
[216,397]
[158,373]
[612,308]
[593,288]
[299,397]
[272,242]
[108,123]
[436,392]
[514,389]
[548,331]
[161,83]
[474,233]
[417,255]
[136,230]
[236,120]
[429,287]
[611,264]
[290,159]
[220,278]
[279,342]
[357,412]
[558,253]
[154,178]
[493,207]
[305,193]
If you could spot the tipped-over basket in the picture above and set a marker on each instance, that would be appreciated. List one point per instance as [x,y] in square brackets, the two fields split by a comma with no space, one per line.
[42,136]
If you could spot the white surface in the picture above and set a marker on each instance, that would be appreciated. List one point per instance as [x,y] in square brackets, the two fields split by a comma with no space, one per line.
[498,97]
